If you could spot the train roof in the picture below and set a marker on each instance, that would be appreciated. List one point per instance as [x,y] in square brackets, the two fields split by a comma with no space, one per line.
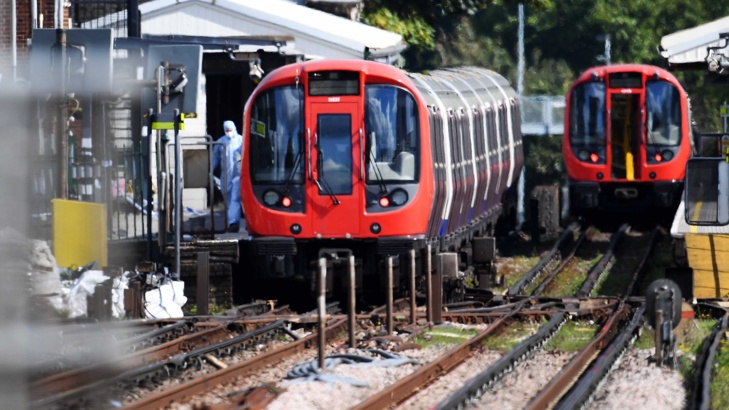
[645,69]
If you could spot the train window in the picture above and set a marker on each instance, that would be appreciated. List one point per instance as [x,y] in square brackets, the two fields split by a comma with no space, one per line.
[663,113]
[335,152]
[626,80]
[276,136]
[587,115]
[705,193]
[392,128]
[322,83]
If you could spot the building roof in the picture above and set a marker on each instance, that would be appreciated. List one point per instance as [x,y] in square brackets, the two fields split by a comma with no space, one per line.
[693,46]
[317,34]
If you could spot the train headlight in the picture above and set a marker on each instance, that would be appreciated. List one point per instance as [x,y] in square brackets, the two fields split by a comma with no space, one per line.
[286,202]
[375,228]
[271,197]
[399,197]
[594,158]
[384,202]
[667,155]
[583,155]
[658,157]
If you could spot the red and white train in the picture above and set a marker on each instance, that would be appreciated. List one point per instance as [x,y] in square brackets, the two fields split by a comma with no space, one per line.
[627,139]
[359,155]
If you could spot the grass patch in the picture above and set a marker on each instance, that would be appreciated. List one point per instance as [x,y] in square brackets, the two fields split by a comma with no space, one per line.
[213,309]
[690,340]
[444,336]
[568,282]
[572,337]
[512,336]
[514,270]
[720,378]
[646,340]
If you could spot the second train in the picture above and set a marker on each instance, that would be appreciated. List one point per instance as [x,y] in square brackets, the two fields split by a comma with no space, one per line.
[627,139]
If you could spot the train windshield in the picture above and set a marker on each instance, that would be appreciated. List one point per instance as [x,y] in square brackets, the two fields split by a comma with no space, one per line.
[276,136]
[587,115]
[391,129]
[663,113]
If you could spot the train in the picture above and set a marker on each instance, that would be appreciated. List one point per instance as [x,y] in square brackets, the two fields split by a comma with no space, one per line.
[362,156]
[627,139]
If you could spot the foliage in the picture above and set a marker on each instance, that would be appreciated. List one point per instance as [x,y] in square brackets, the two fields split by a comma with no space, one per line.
[512,336]
[444,336]
[416,32]
[572,337]
[720,379]
[561,39]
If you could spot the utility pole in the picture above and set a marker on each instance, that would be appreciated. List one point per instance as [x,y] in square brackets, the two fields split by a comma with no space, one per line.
[605,58]
[520,91]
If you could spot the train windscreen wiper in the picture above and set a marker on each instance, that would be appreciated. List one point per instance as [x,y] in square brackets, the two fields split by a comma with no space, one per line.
[378,173]
[327,189]
[290,178]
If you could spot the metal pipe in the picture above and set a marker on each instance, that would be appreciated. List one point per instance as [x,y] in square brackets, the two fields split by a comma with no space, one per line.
[178,192]
[429,284]
[34,13]
[659,337]
[352,302]
[61,120]
[389,296]
[14,37]
[322,309]
[412,287]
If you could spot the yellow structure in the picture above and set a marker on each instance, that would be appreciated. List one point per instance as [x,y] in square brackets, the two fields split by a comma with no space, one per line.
[79,233]
[708,256]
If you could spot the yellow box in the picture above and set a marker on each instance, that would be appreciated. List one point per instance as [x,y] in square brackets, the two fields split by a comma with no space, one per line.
[79,233]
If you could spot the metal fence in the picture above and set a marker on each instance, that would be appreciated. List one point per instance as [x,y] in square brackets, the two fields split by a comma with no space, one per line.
[114,14]
[542,115]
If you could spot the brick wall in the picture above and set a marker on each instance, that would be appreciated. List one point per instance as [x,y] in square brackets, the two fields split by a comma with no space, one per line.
[23,30]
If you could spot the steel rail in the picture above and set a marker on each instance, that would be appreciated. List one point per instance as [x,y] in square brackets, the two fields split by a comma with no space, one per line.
[151,370]
[565,260]
[403,388]
[477,385]
[594,275]
[222,376]
[555,254]
[564,380]
[704,365]
[587,384]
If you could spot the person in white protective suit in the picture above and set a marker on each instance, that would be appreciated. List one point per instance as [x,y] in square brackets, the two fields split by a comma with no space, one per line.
[231,153]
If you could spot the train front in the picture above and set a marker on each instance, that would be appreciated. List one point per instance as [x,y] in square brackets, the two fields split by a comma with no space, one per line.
[333,158]
[626,139]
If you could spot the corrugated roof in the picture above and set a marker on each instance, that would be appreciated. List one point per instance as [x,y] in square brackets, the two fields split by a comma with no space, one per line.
[690,46]
[295,19]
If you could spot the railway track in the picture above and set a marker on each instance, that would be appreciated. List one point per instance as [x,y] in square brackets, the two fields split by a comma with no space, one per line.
[200,352]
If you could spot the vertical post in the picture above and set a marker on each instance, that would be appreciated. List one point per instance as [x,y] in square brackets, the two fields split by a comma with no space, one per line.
[148,177]
[413,305]
[429,283]
[352,301]
[61,121]
[203,282]
[178,191]
[520,90]
[389,295]
[659,336]
[322,309]
[438,291]
[133,18]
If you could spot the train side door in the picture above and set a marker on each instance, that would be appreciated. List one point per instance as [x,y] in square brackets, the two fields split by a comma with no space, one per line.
[625,134]
[335,185]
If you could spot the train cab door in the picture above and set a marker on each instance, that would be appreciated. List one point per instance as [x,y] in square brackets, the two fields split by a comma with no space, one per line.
[625,134]
[335,183]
